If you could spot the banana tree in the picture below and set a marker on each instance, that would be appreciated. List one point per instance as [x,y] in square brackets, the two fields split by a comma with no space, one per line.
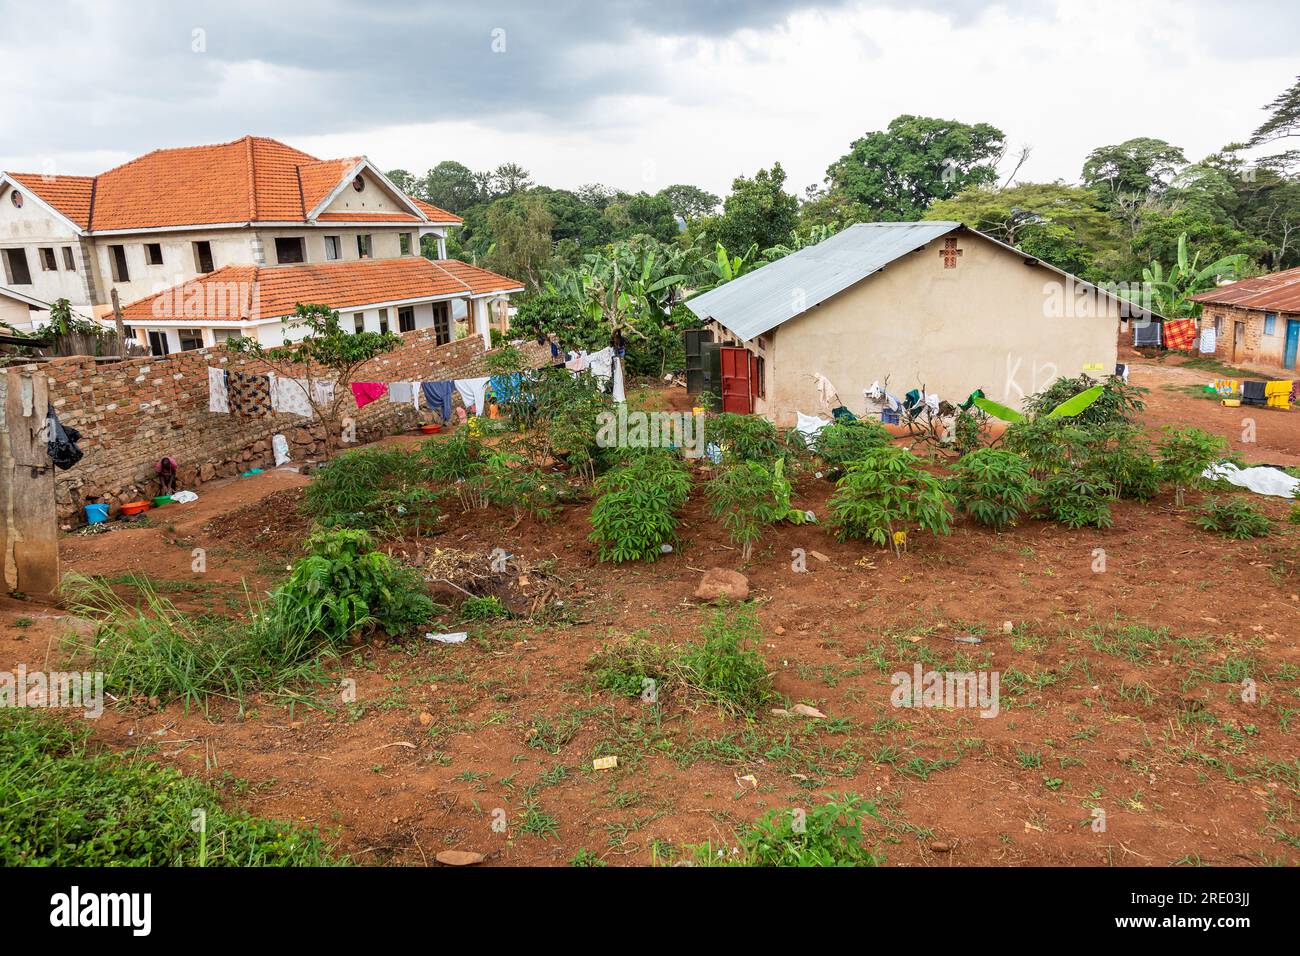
[1170,293]
[1067,409]
[722,266]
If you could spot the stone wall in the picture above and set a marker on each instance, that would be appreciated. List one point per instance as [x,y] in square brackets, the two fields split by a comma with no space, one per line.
[132,413]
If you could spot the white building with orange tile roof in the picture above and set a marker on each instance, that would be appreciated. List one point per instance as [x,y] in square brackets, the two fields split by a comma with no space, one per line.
[208,242]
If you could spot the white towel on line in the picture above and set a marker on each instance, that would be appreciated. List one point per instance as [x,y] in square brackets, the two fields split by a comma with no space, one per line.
[473,392]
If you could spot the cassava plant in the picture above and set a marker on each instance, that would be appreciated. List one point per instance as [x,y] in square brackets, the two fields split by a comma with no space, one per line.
[635,511]
[1185,454]
[994,487]
[749,495]
[886,494]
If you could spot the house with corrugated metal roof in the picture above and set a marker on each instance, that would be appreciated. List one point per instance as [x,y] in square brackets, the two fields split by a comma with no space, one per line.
[934,307]
[1256,321]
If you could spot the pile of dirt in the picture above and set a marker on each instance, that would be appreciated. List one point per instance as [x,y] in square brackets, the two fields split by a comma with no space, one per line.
[274,525]
[525,588]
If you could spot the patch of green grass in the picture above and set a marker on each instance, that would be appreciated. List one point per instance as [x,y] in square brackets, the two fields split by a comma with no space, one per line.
[62,804]
[828,834]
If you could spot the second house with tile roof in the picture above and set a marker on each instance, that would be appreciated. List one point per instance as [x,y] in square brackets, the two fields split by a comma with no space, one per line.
[209,242]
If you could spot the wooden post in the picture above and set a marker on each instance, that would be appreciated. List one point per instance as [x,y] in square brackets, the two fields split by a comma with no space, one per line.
[117,320]
[30,555]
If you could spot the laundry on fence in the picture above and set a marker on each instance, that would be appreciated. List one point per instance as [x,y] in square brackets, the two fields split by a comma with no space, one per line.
[1180,334]
[437,395]
[249,394]
[289,396]
[1252,393]
[473,392]
[404,393]
[218,397]
[367,392]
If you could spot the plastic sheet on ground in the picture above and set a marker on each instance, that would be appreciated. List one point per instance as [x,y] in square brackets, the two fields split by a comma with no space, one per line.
[1262,480]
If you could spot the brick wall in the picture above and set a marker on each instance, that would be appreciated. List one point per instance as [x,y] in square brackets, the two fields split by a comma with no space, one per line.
[134,412]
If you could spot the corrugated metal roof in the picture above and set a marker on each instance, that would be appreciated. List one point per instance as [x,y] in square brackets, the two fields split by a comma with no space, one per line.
[1279,292]
[761,300]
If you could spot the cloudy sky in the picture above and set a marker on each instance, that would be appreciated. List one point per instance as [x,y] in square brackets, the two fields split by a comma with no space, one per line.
[636,94]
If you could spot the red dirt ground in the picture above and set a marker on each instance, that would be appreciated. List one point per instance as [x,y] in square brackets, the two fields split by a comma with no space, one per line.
[1152,731]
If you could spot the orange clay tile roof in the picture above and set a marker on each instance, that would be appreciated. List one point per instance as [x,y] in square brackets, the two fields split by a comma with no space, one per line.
[1279,292]
[368,217]
[70,195]
[253,179]
[250,293]
[434,213]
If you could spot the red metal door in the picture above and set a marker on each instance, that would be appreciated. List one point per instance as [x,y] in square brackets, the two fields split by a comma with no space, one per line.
[736,386]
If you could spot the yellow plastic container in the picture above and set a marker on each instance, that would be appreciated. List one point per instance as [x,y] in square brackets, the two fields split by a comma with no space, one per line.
[1230,402]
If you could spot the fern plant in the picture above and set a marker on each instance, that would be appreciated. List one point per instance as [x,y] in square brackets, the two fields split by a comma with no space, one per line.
[884,495]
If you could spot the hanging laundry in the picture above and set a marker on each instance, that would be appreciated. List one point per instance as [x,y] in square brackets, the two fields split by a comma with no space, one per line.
[576,362]
[218,397]
[1121,372]
[979,393]
[289,396]
[473,392]
[875,392]
[1208,338]
[404,393]
[507,388]
[437,395]
[323,392]
[619,395]
[826,394]
[62,444]
[1252,393]
[1180,334]
[1146,334]
[601,365]
[250,395]
[367,392]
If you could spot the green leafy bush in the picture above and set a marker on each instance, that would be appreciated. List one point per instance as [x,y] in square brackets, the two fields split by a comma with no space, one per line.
[884,495]
[743,437]
[725,666]
[635,511]
[828,834]
[749,495]
[67,805]
[842,442]
[1185,453]
[994,487]
[1119,401]
[1075,500]
[341,586]
[1235,518]
[1120,456]
[363,488]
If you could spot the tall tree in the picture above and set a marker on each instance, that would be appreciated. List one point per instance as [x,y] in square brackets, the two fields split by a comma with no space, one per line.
[509,178]
[1283,119]
[758,212]
[894,175]
[521,239]
[1137,167]
[453,186]
[690,202]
